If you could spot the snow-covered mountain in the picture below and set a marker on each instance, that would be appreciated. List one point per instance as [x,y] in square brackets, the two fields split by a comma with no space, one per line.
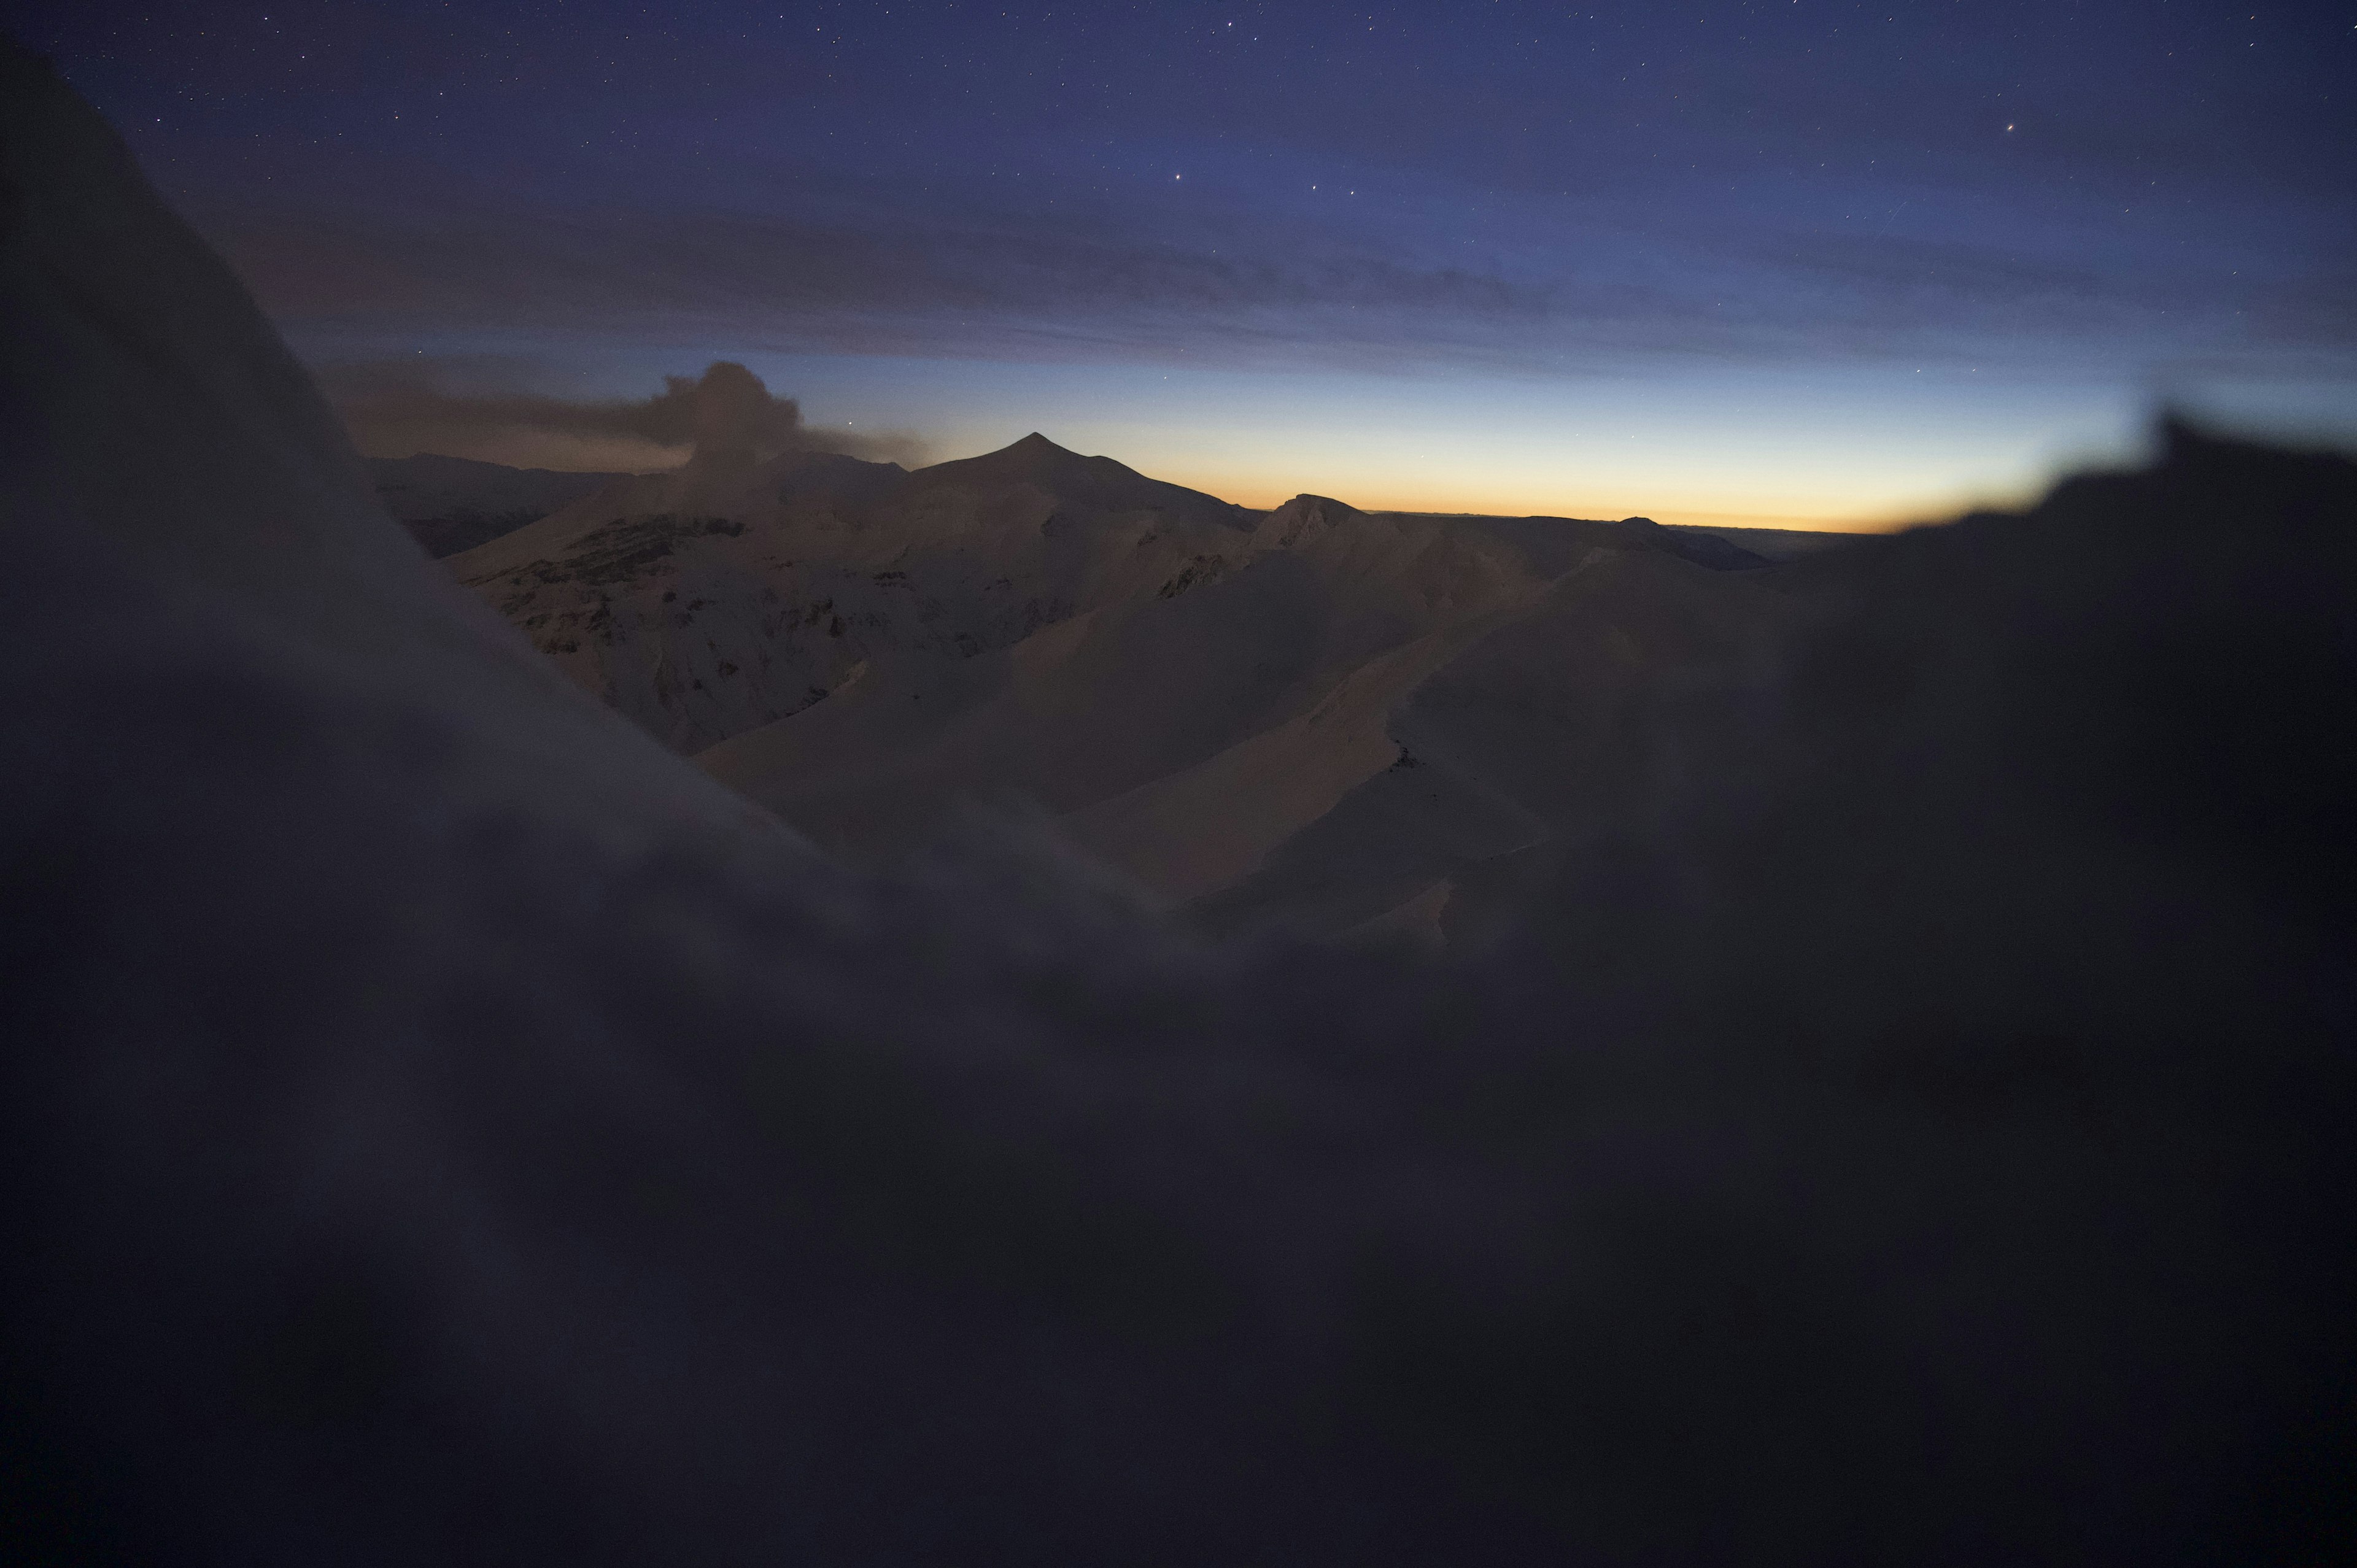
[1189,687]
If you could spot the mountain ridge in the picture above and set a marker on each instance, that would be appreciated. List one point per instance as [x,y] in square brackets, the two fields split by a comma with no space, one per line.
[867,652]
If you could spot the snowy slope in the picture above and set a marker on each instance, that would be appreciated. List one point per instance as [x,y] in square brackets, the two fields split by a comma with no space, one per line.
[247,512]
[1188,730]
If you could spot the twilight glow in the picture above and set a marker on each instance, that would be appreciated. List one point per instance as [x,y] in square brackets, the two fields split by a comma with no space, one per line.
[1794,264]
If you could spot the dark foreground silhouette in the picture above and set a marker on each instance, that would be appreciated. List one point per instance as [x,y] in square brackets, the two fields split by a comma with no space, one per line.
[440,1126]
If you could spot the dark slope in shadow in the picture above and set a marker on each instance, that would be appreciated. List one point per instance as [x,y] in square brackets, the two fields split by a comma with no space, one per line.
[440,1126]
[453,504]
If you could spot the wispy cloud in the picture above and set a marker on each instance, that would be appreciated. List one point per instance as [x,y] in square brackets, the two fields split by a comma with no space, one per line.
[937,274]
[975,282]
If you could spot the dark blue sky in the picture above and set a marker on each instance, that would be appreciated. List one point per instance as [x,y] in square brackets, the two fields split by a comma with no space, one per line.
[1797,258]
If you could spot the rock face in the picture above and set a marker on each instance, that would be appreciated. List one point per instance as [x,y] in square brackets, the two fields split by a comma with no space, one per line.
[440,1125]
[450,504]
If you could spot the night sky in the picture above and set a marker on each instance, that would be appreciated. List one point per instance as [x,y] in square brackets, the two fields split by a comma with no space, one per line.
[1794,259]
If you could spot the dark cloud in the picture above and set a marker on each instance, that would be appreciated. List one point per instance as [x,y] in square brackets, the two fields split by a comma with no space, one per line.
[394,410]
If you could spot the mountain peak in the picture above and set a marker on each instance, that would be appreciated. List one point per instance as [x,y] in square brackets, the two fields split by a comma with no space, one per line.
[1035,454]
[1034,459]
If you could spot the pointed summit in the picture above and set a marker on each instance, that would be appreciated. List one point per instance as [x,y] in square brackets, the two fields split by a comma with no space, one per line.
[1077,483]
[1038,461]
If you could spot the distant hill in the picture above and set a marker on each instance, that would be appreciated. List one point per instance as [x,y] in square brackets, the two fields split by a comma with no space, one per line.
[450,504]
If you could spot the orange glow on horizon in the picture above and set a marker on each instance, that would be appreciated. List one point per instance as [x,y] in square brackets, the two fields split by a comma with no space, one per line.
[1781,513]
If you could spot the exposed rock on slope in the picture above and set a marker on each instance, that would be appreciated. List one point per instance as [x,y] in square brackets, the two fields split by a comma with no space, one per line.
[716,599]
[440,1126]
